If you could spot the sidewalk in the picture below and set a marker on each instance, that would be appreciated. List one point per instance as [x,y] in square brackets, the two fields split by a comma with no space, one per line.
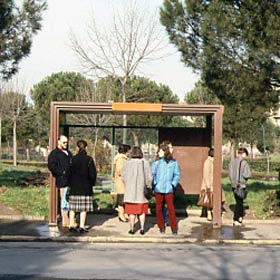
[107,228]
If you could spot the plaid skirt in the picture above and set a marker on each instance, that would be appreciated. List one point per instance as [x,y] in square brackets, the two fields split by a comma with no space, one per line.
[79,203]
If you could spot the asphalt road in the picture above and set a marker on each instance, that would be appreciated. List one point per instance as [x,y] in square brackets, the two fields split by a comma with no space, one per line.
[42,261]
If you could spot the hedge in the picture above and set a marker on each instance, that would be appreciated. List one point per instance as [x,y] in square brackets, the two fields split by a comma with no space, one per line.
[257,165]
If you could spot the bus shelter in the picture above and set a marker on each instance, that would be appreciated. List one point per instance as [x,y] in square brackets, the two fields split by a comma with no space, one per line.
[191,144]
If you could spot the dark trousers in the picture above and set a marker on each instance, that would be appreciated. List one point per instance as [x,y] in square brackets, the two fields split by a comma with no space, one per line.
[167,198]
[239,208]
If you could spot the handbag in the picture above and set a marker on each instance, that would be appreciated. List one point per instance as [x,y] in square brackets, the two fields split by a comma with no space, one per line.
[239,190]
[148,191]
[205,199]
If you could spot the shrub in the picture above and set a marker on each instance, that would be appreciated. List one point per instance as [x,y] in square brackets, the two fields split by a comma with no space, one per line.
[272,203]
[257,165]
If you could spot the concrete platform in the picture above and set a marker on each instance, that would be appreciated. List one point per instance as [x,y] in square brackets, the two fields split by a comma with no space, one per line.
[107,228]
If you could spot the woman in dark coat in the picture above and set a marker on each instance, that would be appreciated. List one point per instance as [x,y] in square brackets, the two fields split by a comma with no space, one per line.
[82,179]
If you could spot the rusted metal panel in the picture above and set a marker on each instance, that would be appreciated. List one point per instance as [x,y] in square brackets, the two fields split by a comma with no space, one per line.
[191,161]
[190,149]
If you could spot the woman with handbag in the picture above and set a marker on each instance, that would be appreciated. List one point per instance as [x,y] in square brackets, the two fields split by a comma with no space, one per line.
[207,183]
[136,174]
[207,186]
[166,176]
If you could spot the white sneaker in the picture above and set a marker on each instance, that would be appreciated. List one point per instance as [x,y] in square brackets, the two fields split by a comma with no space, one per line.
[237,224]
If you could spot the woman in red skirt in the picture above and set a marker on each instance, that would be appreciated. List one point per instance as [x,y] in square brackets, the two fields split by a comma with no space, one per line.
[136,174]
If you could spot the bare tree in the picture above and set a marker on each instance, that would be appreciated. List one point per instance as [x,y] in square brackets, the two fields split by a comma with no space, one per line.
[133,38]
[94,94]
[12,108]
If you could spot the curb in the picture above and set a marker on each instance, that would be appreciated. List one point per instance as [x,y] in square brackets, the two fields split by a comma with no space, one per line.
[100,239]
[225,221]
[23,217]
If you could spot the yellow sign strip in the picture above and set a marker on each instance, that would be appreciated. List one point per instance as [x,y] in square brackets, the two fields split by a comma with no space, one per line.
[137,107]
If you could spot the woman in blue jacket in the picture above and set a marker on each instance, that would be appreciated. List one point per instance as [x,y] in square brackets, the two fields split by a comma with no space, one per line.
[166,176]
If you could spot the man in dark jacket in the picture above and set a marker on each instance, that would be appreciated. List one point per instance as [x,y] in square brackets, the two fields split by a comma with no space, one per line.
[59,162]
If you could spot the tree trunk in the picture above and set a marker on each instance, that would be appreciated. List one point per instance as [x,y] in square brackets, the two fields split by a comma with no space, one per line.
[0,138]
[124,116]
[232,149]
[14,142]
[135,139]
[94,144]
[27,153]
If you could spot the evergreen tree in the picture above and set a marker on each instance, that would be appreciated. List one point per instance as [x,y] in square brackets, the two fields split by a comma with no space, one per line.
[62,86]
[234,45]
[16,30]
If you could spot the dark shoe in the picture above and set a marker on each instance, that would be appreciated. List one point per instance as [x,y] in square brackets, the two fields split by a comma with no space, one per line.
[72,229]
[142,231]
[123,220]
[131,232]
[82,230]
[203,212]
[174,231]
[162,230]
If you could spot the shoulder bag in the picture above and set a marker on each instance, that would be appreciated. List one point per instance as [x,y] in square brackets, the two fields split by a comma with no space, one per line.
[239,190]
[148,191]
[205,199]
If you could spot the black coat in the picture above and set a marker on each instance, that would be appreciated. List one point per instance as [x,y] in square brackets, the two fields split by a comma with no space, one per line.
[82,174]
[59,165]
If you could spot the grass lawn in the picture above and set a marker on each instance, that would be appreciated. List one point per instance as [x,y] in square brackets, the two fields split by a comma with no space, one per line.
[257,193]
[28,199]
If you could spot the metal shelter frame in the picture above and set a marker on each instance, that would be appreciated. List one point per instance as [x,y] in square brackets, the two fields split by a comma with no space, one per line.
[216,111]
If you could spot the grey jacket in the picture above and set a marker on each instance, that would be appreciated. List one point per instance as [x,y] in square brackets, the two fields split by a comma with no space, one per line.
[136,173]
[233,171]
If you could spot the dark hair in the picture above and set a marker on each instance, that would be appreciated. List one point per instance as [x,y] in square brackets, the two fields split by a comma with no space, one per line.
[124,148]
[243,150]
[164,146]
[211,152]
[136,152]
[82,144]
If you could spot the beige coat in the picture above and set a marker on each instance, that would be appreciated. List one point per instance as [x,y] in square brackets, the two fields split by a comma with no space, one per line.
[208,174]
[118,162]
[207,180]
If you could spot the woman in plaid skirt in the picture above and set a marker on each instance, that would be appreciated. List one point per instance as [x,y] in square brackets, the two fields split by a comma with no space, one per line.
[82,179]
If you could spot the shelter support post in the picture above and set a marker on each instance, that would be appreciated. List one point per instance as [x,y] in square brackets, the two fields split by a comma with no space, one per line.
[54,127]
[217,190]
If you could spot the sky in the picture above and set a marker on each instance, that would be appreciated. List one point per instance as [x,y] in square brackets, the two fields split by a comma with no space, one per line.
[51,52]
